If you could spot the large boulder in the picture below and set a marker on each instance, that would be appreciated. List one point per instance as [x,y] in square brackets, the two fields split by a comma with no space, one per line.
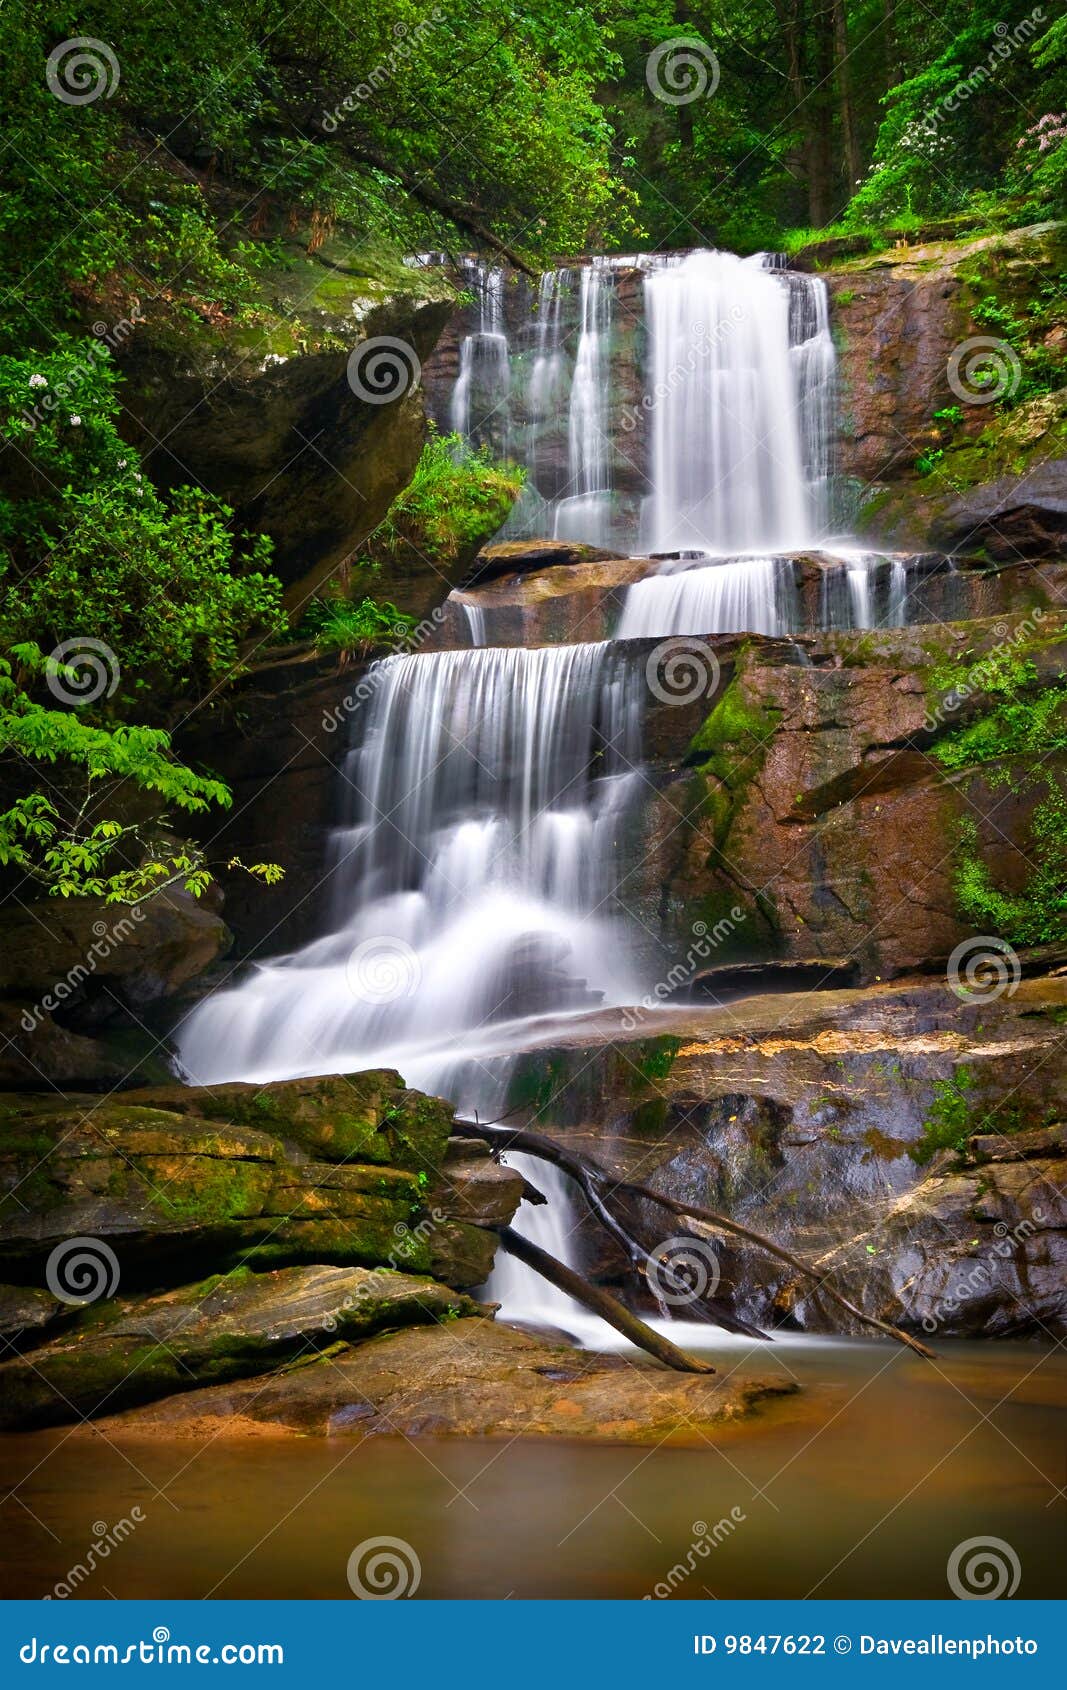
[478,1379]
[134,1349]
[273,420]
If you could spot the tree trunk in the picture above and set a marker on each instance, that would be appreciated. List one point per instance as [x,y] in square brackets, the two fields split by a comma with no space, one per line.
[846,104]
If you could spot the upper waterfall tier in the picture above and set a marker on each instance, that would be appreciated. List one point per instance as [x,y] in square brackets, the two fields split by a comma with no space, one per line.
[658,404]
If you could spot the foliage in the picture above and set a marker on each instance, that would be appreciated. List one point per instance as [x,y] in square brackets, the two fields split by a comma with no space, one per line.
[89,549]
[1024,727]
[63,838]
[947,1126]
[350,628]
[457,499]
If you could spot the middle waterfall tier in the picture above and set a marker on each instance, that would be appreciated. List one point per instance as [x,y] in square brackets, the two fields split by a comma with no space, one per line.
[474,887]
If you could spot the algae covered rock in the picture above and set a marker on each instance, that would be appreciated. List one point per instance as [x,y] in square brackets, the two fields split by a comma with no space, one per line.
[132,1350]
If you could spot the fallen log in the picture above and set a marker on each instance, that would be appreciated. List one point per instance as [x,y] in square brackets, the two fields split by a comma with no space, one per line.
[592,1180]
[600,1302]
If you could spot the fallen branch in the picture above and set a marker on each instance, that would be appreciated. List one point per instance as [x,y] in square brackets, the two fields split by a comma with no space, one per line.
[702,1217]
[592,1180]
[601,1303]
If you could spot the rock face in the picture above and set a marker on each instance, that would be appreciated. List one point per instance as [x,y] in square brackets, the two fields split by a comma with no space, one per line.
[906,1144]
[1010,518]
[69,968]
[348,1185]
[477,1379]
[806,817]
[271,421]
[898,317]
[242,1323]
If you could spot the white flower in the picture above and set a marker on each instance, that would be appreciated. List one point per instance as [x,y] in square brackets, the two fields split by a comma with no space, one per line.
[122,463]
[38,381]
[75,422]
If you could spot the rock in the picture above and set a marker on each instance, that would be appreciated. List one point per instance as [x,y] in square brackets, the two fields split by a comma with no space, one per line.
[60,948]
[132,1350]
[472,1379]
[1010,518]
[24,1309]
[888,1133]
[741,979]
[270,421]
[525,557]
[366,1117]
[35,1050]
[162,1185]
[806,817]
[898,316]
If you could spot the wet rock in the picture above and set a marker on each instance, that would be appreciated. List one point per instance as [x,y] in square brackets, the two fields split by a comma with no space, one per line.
[135,1349]
[24,1309]
[892,1134]
[525,557]
[1010,518]
[474,1379]
[167,1188]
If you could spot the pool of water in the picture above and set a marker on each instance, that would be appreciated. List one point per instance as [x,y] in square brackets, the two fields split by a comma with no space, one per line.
[861,1486]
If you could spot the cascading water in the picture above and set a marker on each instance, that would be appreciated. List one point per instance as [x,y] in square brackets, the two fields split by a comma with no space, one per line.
[584,513]
[476,874]
[739,456]
[479,399]
[474,880]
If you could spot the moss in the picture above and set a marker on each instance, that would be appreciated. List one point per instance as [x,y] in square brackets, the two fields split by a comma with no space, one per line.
[655,1057]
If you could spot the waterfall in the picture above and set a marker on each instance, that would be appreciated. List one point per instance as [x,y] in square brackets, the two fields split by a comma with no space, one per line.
[867,591]
[739,457]
[748,595]
[479,399]
[584,513]
[474,878]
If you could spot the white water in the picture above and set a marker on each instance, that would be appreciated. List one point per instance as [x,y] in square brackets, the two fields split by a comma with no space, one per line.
[739,458]
[475,876]
[749,595]
[473,883]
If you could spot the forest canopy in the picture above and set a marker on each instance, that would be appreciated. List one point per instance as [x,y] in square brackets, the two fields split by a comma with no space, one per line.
[552,128]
